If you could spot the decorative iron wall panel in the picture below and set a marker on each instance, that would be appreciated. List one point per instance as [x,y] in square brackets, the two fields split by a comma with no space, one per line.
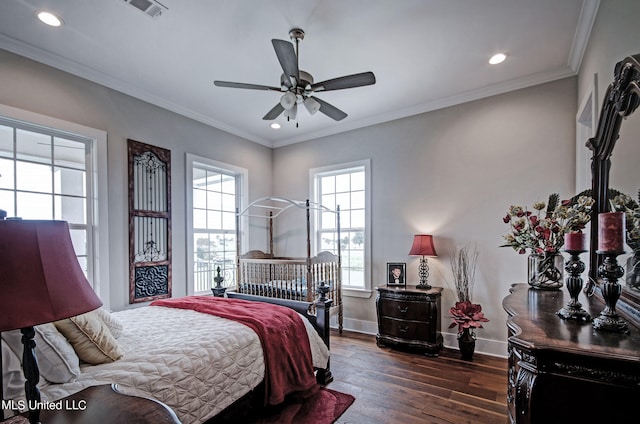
[149,222]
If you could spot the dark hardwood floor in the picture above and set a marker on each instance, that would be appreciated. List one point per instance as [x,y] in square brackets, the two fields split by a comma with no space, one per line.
[396,386]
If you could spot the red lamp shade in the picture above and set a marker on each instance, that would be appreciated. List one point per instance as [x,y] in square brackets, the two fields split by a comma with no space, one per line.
[40,278]
[423,246]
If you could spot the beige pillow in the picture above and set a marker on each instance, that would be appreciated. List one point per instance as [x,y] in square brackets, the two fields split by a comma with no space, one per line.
[91,338]
[114,324]
[57,361]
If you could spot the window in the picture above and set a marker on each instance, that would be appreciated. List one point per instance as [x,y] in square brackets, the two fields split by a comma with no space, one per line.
[215,194]
[345,186]
[49,170]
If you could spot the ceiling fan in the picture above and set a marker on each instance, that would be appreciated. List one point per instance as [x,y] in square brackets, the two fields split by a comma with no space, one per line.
[298,86]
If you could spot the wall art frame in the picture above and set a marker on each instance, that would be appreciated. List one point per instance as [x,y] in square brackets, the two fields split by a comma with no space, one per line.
[149,222]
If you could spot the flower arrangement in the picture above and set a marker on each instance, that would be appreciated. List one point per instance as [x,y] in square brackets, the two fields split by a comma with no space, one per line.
[543,232]
[467,315]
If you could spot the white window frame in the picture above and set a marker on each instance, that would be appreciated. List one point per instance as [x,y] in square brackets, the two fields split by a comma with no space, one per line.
[242,192]
[314,176]
[97,193]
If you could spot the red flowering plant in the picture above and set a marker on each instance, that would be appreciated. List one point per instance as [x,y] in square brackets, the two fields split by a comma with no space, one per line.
[543,232]
[467,315]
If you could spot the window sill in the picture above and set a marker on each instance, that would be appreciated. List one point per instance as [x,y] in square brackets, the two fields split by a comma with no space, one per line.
[363,293]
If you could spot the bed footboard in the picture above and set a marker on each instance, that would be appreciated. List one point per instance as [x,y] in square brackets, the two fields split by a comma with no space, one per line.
[261,274]
[319,320]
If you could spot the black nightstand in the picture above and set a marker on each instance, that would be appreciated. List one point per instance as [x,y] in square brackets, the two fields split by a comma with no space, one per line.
[409,316]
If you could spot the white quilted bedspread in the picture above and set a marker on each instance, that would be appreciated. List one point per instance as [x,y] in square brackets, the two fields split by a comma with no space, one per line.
[197,364]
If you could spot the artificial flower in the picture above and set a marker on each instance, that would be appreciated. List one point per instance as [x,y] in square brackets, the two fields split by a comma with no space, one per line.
[467,315]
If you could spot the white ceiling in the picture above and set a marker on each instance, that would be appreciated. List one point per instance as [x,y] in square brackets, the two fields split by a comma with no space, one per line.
[425,54]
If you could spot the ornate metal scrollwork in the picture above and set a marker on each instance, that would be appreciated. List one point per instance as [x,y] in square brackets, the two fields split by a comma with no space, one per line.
[149,222]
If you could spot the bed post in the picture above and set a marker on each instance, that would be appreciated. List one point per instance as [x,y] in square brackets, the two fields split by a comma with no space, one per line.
[271,233]
[310,282]
[324,376]
[237,248]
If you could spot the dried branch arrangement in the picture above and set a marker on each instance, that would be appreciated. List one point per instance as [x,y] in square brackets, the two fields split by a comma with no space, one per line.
[463,267]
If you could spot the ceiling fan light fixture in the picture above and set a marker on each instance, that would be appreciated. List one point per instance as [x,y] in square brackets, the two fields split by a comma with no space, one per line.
[298,86]
[288,100]
[311,105]
[291,114]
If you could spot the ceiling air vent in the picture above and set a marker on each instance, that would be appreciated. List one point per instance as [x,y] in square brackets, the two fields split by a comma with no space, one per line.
[150,8]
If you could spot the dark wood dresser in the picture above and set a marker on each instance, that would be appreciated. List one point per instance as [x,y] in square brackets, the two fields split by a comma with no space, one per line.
[565,371]
[410,317]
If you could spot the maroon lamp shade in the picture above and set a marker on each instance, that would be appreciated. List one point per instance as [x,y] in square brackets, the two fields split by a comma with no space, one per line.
[423,246]
[40,278]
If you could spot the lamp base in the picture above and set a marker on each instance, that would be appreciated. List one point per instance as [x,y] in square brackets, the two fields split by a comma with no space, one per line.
[423,273]
[31,374]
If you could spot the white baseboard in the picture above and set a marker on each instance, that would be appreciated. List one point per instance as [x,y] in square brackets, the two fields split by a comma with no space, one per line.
[359,326]
[450,340]
[484,346]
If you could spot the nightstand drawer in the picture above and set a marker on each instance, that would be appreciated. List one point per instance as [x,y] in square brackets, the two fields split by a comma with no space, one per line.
[410,330]
[417,311]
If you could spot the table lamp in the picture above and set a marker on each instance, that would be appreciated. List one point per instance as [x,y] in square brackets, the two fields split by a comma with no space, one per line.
[40,281]
[423,246]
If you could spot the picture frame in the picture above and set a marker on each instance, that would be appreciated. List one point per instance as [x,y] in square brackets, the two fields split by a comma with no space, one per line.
[396,274]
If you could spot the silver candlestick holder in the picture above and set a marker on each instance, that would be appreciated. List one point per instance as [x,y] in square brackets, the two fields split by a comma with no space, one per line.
[610,271]
[573,309]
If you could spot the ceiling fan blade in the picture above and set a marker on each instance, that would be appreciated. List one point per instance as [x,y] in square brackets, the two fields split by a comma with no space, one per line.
[348,81]
[274,113]
[287,58]
[243,85]
[330,110]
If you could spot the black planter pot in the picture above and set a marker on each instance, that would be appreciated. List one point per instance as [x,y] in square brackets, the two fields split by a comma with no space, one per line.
[467,344]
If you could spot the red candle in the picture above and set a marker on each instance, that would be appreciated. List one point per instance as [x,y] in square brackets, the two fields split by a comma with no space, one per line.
[611,230]
[574,241]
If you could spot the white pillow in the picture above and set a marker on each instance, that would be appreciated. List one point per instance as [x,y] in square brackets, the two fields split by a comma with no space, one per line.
[57,361]
[113,323]
[12,377]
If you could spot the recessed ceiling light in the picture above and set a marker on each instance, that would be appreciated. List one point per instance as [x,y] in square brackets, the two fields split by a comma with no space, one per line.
[497,58]
[275,126]
[50,19]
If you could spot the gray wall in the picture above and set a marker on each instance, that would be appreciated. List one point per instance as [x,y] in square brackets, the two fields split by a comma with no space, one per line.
[451,173]
[41,89]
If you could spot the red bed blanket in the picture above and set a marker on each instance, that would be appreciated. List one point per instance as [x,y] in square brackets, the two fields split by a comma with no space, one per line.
[284,339]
